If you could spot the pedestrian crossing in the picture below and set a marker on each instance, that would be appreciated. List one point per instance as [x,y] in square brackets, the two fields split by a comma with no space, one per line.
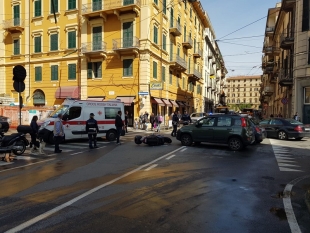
[285,160]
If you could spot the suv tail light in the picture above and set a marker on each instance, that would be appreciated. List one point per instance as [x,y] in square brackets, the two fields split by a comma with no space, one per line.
[243,122]
[257,129]
[298,128]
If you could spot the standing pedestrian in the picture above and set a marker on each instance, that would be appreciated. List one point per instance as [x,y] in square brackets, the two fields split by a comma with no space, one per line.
[35,129]
[175,121]
[160,120]
[186,119]
[119,126]
[152,120]
[141,120]
[92,129]
[59,133]
[146,120]
[296,117]
[126,121]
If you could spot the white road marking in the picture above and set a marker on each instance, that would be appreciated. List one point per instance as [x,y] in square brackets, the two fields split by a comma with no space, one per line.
[24,158]
[184,150]
[89,192]
[285,169]
[77,153]
[170,157]
[151,167]
[288,205]
[25,165]
[288,165]
[285,161]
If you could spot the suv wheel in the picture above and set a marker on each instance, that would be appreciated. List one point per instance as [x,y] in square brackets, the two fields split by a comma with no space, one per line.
[235,144]
[186,140]
[282,135]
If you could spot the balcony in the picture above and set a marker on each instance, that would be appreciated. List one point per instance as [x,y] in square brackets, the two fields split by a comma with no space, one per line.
[213,61]
[286,41]
[197,53]
[285,78]
[269,31]
[273,78]
[188,42]
[177,63]
[102,8]
[94,49]
[210,56]
[194,75]
[288,5]
[268,70]
[126,46]
[14,25]
[175,28]
[268,91]
[271,50]
[213,86]
[212,72]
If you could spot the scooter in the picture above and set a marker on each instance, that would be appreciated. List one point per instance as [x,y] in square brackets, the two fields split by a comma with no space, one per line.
[152,140]
[15,143]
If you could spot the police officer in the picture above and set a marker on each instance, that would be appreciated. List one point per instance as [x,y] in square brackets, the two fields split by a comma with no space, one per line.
[92,130]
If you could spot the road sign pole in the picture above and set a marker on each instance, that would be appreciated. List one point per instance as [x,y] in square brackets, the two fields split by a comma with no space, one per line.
[19,105]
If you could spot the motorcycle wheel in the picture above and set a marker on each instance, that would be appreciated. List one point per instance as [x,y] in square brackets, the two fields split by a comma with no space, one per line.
[138,139]
[167,140]
[22,148]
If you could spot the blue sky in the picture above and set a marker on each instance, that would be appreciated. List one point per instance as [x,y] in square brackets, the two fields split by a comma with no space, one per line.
[228,16]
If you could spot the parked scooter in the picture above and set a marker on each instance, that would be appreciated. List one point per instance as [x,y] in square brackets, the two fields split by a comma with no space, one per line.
[15,143]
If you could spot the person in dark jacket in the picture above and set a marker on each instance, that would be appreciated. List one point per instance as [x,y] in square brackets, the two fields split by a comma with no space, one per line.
[175,122]
[92,130]
[186,117]
[119,124]
[35,129]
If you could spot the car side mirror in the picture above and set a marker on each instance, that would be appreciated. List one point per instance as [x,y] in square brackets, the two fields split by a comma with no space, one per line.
[198,124]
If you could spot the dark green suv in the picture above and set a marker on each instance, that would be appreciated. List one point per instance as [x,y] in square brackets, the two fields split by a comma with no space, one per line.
[234,130]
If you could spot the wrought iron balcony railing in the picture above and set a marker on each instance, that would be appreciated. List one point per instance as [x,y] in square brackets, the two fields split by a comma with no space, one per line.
[91,47]
[126,43]
[108,5]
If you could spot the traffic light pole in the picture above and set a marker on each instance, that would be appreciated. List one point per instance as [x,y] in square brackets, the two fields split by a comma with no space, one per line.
[20,108]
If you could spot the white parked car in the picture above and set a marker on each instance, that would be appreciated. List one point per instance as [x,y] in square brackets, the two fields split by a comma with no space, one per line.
[197,115]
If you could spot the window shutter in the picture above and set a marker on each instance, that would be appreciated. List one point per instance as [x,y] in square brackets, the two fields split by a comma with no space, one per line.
[37,44]
[163,73]
[305,16]
[99,70]
[155,35]
[72,71]
[165,6]
[154,69]
[72,39]
[127,67]
[55,6]
[54,42]
[89,70]
[164,42]
[71,4]
[16,47]
[54,72]
[37,8]
[38,74]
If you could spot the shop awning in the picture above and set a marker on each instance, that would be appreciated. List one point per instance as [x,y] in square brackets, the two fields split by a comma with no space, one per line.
[167,103]
[67,92]
[158,101]
[181,104]
[96,98]
[174,103]
[127,100]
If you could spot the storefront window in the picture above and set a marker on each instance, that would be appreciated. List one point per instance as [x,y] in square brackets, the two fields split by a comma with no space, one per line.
[307,95]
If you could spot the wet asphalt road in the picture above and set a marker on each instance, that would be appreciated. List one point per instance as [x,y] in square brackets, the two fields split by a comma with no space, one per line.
[188,189]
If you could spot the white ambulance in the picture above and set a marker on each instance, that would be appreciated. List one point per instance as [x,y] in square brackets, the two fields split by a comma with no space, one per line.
[76,113]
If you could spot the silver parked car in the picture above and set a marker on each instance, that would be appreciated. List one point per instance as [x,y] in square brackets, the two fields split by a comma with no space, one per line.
[197,115]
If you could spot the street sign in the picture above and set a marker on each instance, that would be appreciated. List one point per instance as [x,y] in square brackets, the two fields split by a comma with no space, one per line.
[284,101]
[143,93]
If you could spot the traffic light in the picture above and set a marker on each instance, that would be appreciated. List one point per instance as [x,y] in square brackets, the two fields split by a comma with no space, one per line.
[19,75]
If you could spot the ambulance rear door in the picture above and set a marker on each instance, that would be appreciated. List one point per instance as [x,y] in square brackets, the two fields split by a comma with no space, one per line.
[73,121]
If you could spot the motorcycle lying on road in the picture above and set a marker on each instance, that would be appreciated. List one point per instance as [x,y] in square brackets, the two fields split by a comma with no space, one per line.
[152,140]
[15,143]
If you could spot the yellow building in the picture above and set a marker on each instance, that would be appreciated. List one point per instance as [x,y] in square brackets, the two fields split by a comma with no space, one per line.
[243,90]
[45,44]
[146,53]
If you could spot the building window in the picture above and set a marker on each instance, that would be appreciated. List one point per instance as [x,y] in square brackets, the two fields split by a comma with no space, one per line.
[37,44]
[154,69]
[307,95]
[155,39]
[72,72]
[165,6]
[71,4]
[16,12]
[38,74]
[170,77]
[94,70]
[37,8]
[156,2]
[127,67]
[183,83]
[16,47]
[72,39]
[54,73]
[163,74]
[55,7]
[54,42]
[164,42]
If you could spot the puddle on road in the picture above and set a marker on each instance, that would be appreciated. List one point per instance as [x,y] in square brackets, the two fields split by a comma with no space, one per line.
[278,212]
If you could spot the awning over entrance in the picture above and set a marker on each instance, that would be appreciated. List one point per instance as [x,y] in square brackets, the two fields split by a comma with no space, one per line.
[167,103]
[127,100]
[96,98]
[67,92]
[181,104]
[158,101]
[174,103]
